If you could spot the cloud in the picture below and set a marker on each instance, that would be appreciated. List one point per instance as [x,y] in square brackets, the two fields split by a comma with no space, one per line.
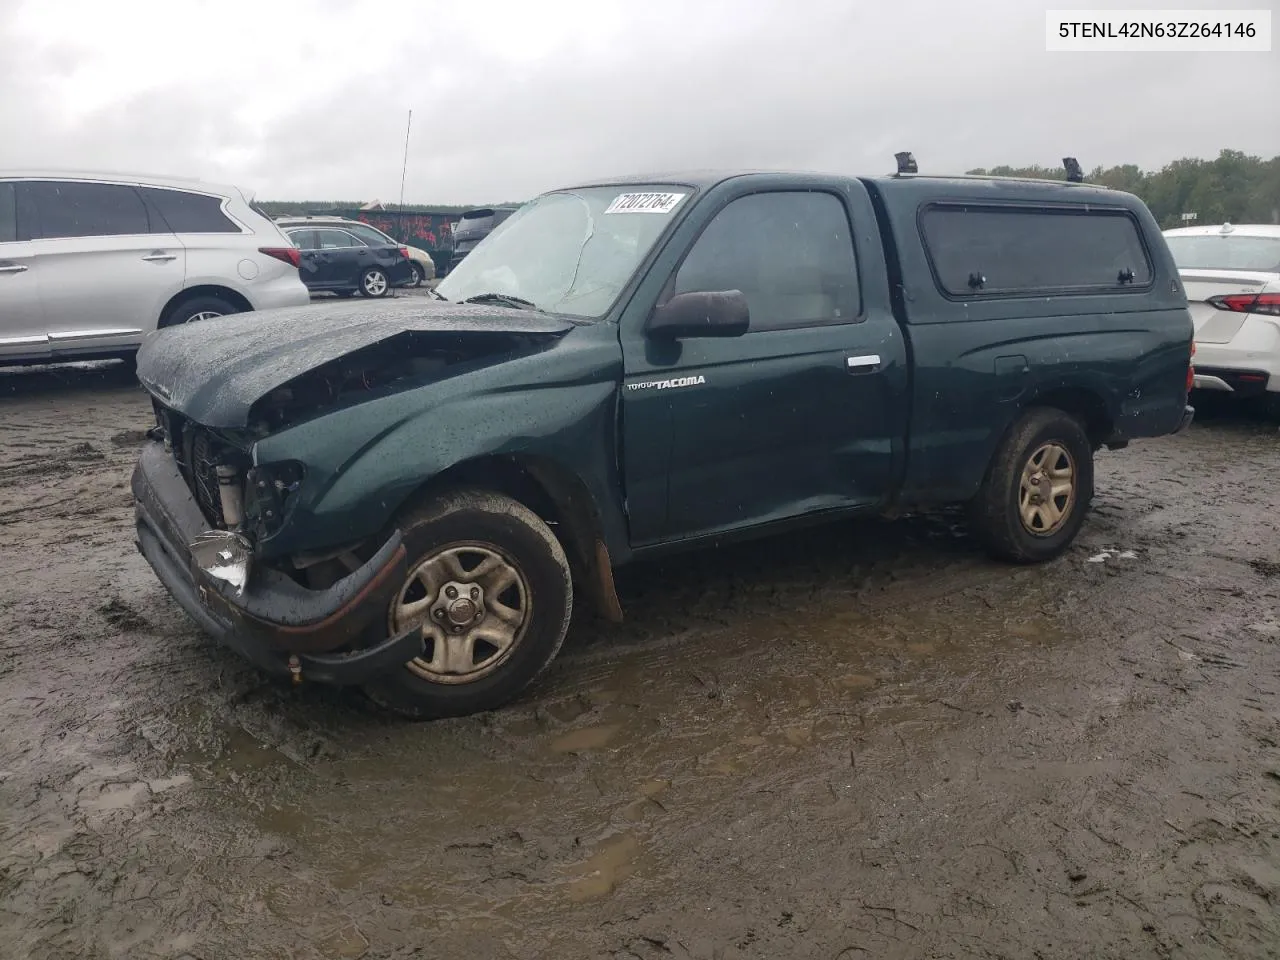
[308,100]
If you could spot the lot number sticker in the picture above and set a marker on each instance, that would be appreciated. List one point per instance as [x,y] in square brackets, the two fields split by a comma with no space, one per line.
[645,202]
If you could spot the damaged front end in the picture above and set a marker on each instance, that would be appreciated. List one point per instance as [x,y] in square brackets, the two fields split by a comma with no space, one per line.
[284,627]
[211,511]
[224,555]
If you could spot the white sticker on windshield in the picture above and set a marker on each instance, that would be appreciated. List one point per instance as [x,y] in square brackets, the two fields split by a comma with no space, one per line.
[645,202]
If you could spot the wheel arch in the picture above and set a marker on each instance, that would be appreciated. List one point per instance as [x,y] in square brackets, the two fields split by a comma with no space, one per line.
[557,495]
[204,290]
[1085,404]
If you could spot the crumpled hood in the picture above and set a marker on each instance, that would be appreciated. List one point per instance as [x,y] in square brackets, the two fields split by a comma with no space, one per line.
[213,371]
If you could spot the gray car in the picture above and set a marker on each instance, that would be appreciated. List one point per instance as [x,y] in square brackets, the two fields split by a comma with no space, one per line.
[92,262]
[422,268]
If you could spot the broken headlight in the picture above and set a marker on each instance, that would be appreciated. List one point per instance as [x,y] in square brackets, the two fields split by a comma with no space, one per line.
[223,555]
[269,492]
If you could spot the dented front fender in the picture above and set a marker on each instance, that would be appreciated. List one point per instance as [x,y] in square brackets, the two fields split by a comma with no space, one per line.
[364,462]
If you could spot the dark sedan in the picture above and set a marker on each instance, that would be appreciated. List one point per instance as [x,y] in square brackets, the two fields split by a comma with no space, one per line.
[338,261]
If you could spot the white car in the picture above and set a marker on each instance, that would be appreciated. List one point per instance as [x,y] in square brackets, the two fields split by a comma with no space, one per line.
[1231,273]
[92,262]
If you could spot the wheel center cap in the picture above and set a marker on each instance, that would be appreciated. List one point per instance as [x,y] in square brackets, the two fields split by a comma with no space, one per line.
[462,611]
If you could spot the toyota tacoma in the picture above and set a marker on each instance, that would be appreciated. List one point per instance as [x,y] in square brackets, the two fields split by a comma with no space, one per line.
[412,496]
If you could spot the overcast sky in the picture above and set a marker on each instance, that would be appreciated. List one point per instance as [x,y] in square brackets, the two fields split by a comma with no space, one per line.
[308,99]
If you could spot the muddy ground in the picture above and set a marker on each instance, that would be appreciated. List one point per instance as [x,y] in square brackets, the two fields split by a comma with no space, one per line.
[862,742]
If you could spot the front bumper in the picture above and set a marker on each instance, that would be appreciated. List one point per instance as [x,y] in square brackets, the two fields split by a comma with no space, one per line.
[275,619]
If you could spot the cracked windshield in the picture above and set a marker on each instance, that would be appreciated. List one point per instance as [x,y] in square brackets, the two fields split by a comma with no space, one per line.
[639,481]
[568,253]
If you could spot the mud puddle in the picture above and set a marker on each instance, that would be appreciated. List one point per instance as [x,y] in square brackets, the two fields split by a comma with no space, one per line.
[556,802]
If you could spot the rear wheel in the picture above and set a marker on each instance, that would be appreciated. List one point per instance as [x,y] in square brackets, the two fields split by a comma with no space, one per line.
[1037,490]
[415,275]
[198,308]
[490,586]
[374,282]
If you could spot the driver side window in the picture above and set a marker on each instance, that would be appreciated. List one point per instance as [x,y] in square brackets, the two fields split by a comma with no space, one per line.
[790,253]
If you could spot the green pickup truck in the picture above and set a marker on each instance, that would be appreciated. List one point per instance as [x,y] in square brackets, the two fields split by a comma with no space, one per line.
[410,496]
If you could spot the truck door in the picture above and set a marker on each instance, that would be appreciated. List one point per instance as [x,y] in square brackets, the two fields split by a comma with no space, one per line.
[806,412]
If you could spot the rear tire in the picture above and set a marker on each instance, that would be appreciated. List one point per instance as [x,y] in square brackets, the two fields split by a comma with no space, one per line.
[416,275]
[1037,490]
[198,308]
[465,667]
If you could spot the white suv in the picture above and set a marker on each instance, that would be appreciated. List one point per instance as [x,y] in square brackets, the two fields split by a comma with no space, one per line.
[91,263]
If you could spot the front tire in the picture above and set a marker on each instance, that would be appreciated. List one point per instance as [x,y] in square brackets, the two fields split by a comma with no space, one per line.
[374,283]
[490,585]
[1037,490]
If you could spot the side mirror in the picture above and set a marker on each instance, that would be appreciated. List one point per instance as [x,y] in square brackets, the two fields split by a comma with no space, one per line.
[721,313]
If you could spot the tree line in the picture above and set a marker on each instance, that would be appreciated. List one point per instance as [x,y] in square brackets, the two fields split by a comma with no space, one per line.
[1234,187]
[303,208]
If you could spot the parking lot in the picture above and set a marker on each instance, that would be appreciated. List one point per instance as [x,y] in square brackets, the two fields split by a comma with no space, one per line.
[866,741]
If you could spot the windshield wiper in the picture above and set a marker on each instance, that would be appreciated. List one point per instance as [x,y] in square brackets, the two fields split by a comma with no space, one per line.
[435,293]
[506,299]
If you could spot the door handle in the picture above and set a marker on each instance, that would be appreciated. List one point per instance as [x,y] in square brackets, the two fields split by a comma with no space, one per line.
[863,364]
[13,268]
[160,257]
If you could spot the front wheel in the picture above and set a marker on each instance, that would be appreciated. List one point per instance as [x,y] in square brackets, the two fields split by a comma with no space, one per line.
[1037,489]
[374,283]
[490,586]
